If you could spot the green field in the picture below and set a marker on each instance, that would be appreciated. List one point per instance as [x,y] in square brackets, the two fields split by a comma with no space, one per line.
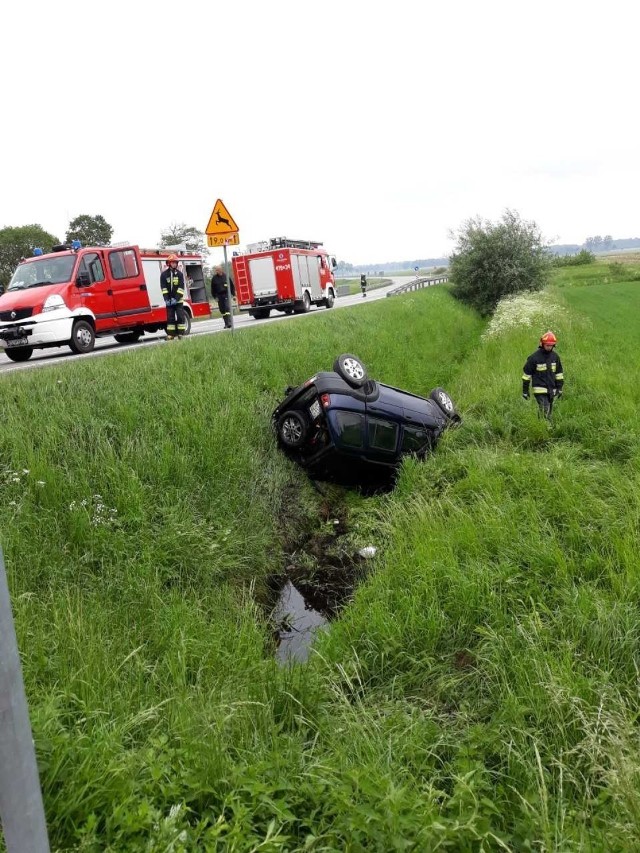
[479,692]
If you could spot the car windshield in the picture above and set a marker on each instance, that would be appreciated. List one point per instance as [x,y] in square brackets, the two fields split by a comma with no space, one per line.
[49,270]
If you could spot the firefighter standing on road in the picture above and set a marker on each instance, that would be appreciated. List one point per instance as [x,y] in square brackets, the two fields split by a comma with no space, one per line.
[172,283]
[363,284]
[543,370]
[219,293]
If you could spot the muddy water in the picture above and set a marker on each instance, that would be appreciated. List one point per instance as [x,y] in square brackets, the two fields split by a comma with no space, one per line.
[298,623]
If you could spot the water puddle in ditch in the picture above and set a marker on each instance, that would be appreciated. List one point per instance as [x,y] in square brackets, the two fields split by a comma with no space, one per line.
[297,625]
[318,580]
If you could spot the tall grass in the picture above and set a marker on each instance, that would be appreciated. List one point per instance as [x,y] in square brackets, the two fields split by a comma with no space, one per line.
[481,690]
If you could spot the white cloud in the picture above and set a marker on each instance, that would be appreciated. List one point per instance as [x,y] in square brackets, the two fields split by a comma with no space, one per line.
[375,127]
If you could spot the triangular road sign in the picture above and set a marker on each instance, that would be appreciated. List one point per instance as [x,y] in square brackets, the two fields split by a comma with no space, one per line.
[221,221]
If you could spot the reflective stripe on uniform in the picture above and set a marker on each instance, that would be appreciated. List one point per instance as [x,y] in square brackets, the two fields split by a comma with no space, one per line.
[560,376]
[537,390]
[526,377]
[540,367]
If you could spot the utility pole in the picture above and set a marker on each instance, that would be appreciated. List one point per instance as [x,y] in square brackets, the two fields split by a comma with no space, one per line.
[21,808]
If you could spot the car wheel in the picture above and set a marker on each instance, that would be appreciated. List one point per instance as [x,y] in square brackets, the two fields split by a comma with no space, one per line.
[304,305]
[187,323]
[83,337]
[19,353]
[262,314]
[444,402]
[293,428]
[128,337]
[329,299]
[351,369]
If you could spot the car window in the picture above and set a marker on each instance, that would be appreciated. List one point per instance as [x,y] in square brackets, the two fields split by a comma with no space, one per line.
[414,439]
[383,435]
[350,428]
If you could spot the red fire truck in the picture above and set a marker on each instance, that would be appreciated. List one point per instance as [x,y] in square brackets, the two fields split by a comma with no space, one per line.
[283,275]
[72,295]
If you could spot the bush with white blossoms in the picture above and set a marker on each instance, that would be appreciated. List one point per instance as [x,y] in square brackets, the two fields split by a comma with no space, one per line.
[526,309]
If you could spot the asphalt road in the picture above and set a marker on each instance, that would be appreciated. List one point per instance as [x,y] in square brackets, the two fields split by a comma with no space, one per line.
[242,323]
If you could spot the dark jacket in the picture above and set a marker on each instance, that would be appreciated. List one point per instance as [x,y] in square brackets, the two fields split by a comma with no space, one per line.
[219,285]
[544,371]
[172,283]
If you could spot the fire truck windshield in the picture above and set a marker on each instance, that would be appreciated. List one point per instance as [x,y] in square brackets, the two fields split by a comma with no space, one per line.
[48,270]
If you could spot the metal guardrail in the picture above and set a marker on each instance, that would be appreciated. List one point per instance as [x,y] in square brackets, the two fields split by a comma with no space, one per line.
[418,284]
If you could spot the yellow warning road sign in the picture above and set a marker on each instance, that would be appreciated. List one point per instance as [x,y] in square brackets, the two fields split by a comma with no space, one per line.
[229,239]
[221,221]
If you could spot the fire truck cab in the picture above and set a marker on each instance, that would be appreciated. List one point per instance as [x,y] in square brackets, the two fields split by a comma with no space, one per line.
[72,295]
[283,275]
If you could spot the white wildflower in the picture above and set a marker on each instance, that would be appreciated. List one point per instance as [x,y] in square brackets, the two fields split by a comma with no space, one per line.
[523,310]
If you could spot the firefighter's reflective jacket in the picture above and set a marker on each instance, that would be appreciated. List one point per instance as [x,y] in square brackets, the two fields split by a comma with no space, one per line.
[172,283]
[544,371]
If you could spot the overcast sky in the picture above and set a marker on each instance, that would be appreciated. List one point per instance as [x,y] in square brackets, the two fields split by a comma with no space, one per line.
[375,127]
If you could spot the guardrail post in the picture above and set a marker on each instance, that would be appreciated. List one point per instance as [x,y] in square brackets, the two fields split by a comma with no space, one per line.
[21,808]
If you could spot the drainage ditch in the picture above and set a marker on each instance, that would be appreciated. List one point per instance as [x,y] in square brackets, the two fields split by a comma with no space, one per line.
[320,575]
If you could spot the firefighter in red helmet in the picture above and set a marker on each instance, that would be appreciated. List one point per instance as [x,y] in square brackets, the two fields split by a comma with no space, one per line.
[172,283]
[543,372]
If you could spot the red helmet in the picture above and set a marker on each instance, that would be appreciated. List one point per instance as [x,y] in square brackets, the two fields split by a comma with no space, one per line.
[171,259]
[548,339]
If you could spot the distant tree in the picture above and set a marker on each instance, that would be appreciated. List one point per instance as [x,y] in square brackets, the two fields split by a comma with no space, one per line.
[492,260]
[19,242]
[607,241]
[90,230]
[177,234]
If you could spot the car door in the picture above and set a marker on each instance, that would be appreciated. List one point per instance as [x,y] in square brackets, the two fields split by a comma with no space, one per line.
[97,295]
[129,286]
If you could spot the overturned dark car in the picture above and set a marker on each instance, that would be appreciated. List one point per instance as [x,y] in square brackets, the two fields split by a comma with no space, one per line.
[341,425]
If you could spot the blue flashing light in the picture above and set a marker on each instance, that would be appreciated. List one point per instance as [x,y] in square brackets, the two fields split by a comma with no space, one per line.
[38,252]
[75,245]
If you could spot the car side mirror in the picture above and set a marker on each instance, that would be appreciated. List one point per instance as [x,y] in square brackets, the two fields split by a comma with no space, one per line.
[83,279]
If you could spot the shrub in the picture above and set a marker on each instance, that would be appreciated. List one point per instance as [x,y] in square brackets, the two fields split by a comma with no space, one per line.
[583,257]
[493,260]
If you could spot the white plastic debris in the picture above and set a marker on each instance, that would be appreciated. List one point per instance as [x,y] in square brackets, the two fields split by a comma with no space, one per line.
[368,552]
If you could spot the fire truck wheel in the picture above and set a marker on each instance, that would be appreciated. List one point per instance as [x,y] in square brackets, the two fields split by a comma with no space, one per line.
[329,299]
[261,313]
[83,337]
[293,428]
[351,369]
[128,337]
[187,322]
[19,353]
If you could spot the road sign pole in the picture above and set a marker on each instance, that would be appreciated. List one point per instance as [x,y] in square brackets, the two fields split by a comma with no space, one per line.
[21,808]
[229,302]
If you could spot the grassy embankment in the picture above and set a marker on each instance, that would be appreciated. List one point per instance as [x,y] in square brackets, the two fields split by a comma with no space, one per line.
[481,691]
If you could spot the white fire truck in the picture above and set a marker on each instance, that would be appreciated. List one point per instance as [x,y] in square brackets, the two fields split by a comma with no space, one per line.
[283,275]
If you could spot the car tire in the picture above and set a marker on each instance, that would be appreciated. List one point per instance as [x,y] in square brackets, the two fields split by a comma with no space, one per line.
[83,337]
[293,429]
[351,369]
[304,305]
[19,353]
[444,403]
[187,322]
[328,302]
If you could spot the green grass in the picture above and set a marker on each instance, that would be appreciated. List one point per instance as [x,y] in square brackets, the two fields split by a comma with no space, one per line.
[481,690]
